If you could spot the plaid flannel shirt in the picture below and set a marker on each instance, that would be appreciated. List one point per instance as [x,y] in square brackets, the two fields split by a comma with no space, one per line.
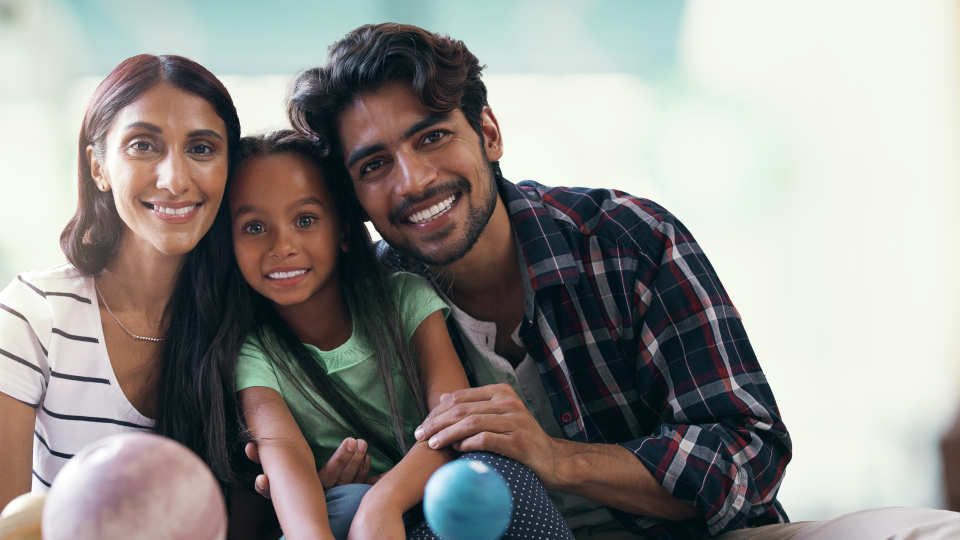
[639,345]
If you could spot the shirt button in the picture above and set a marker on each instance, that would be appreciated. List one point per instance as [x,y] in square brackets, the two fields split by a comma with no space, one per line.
[566,418]
[511,379]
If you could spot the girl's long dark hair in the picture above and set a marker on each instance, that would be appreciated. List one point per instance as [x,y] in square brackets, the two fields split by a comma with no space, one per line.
[196,402]
[375,316]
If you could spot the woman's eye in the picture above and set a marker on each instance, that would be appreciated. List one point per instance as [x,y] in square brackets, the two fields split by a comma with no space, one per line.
[305,221]
[202,148]
[254,228]
[141,146]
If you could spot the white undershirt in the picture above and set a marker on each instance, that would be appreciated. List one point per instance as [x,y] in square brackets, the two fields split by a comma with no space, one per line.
[479,340]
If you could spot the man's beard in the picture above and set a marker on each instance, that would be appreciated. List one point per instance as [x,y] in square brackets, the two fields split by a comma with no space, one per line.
[476,222]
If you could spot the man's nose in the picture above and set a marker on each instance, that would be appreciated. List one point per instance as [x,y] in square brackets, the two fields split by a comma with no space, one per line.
[173,173]
[414,174]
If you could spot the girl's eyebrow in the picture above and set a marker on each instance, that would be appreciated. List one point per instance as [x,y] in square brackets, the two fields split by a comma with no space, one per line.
[311,200]
[247,209]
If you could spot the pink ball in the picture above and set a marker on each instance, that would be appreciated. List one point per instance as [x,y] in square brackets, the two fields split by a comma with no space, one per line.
[135,486]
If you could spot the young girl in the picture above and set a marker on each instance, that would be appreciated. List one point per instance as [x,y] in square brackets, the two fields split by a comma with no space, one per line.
[338,349]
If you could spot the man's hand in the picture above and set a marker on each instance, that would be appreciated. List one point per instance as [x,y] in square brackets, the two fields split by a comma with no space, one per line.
[350,464]
[492,418]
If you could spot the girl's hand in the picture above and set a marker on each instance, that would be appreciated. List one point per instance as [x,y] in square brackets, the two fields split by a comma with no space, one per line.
[350,464]
[376,521]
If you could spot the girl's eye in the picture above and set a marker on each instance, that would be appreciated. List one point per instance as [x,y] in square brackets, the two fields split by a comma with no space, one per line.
[254,228]
[305,221]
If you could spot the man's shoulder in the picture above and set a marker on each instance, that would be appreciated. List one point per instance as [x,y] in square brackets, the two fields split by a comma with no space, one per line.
[606,213]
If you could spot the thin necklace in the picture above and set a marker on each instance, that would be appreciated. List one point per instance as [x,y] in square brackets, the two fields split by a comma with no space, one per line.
[153,339]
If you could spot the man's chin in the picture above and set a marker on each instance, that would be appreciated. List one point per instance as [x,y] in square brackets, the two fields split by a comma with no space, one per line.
[441,253]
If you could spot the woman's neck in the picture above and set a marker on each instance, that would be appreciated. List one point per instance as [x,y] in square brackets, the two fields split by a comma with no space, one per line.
[323,320]
[139,279]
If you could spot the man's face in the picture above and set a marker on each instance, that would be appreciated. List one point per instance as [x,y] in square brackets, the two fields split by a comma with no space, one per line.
[423,178]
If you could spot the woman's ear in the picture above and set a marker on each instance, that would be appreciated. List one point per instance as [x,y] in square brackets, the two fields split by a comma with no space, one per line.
[345,238]
[96,171]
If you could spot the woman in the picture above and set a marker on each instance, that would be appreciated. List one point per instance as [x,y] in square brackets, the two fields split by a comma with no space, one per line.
[124,337]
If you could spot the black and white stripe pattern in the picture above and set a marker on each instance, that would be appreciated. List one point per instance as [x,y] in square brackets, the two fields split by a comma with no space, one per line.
[53,359]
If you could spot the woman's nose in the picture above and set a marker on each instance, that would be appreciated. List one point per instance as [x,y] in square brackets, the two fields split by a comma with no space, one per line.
[173,174]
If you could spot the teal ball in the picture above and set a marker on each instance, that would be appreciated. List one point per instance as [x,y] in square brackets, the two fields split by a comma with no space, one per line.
[467,500]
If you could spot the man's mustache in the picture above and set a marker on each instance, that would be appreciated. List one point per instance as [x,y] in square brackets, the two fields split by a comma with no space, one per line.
[460,184]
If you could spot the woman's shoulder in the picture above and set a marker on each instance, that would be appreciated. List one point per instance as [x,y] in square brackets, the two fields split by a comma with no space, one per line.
[62,281]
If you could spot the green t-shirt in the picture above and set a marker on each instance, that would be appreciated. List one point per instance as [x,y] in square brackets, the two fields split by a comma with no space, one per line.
[355,368]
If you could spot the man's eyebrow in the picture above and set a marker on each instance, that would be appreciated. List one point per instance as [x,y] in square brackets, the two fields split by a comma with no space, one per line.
[361,153]
[204,133]
[429,121]
[144,125]
[421,125]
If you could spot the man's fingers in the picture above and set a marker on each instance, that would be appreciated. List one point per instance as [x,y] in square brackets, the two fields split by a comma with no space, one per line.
[253,453]
[470,426]
[488,442]
[262,485]
[464,414]
[467,395]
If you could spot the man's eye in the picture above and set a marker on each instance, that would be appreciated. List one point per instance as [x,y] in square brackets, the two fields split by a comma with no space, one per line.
[254,228]
[433,137]
[305,221]
[371,166]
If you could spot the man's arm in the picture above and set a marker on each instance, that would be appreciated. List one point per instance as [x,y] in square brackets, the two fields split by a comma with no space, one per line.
[715,437]
[492,418]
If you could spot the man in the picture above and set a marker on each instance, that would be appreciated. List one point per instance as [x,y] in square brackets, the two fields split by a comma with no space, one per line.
[604,352]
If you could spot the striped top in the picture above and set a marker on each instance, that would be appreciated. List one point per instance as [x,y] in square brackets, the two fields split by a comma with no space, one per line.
[53,358]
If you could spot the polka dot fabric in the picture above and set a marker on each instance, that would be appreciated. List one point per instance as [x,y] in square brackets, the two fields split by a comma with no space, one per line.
[534,514]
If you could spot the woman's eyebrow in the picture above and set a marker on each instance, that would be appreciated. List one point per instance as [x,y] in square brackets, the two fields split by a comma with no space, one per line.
[144,125]
[156,129]
[204,133]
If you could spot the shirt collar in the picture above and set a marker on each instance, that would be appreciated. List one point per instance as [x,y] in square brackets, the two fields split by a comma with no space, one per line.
[543,248]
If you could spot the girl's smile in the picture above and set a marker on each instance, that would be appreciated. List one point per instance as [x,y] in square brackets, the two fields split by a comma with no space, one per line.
[287,234]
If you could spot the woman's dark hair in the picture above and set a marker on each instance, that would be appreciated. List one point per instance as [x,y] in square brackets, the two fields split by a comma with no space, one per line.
[374,312]
[197,404]
[442,72]
[92,236]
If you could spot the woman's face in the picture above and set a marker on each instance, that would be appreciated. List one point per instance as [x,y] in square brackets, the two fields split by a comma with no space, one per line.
[165,160]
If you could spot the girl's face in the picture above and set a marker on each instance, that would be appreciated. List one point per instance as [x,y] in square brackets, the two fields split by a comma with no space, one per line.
[165,160]
[287,234]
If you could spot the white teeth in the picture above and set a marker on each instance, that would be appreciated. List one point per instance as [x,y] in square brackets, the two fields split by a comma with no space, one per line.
[433,212]
[174,211]
[286,275]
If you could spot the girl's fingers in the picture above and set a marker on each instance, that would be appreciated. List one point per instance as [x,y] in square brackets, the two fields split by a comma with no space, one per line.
[363,472]
[352,467]
[253,453]
[262,485]
[331,472]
